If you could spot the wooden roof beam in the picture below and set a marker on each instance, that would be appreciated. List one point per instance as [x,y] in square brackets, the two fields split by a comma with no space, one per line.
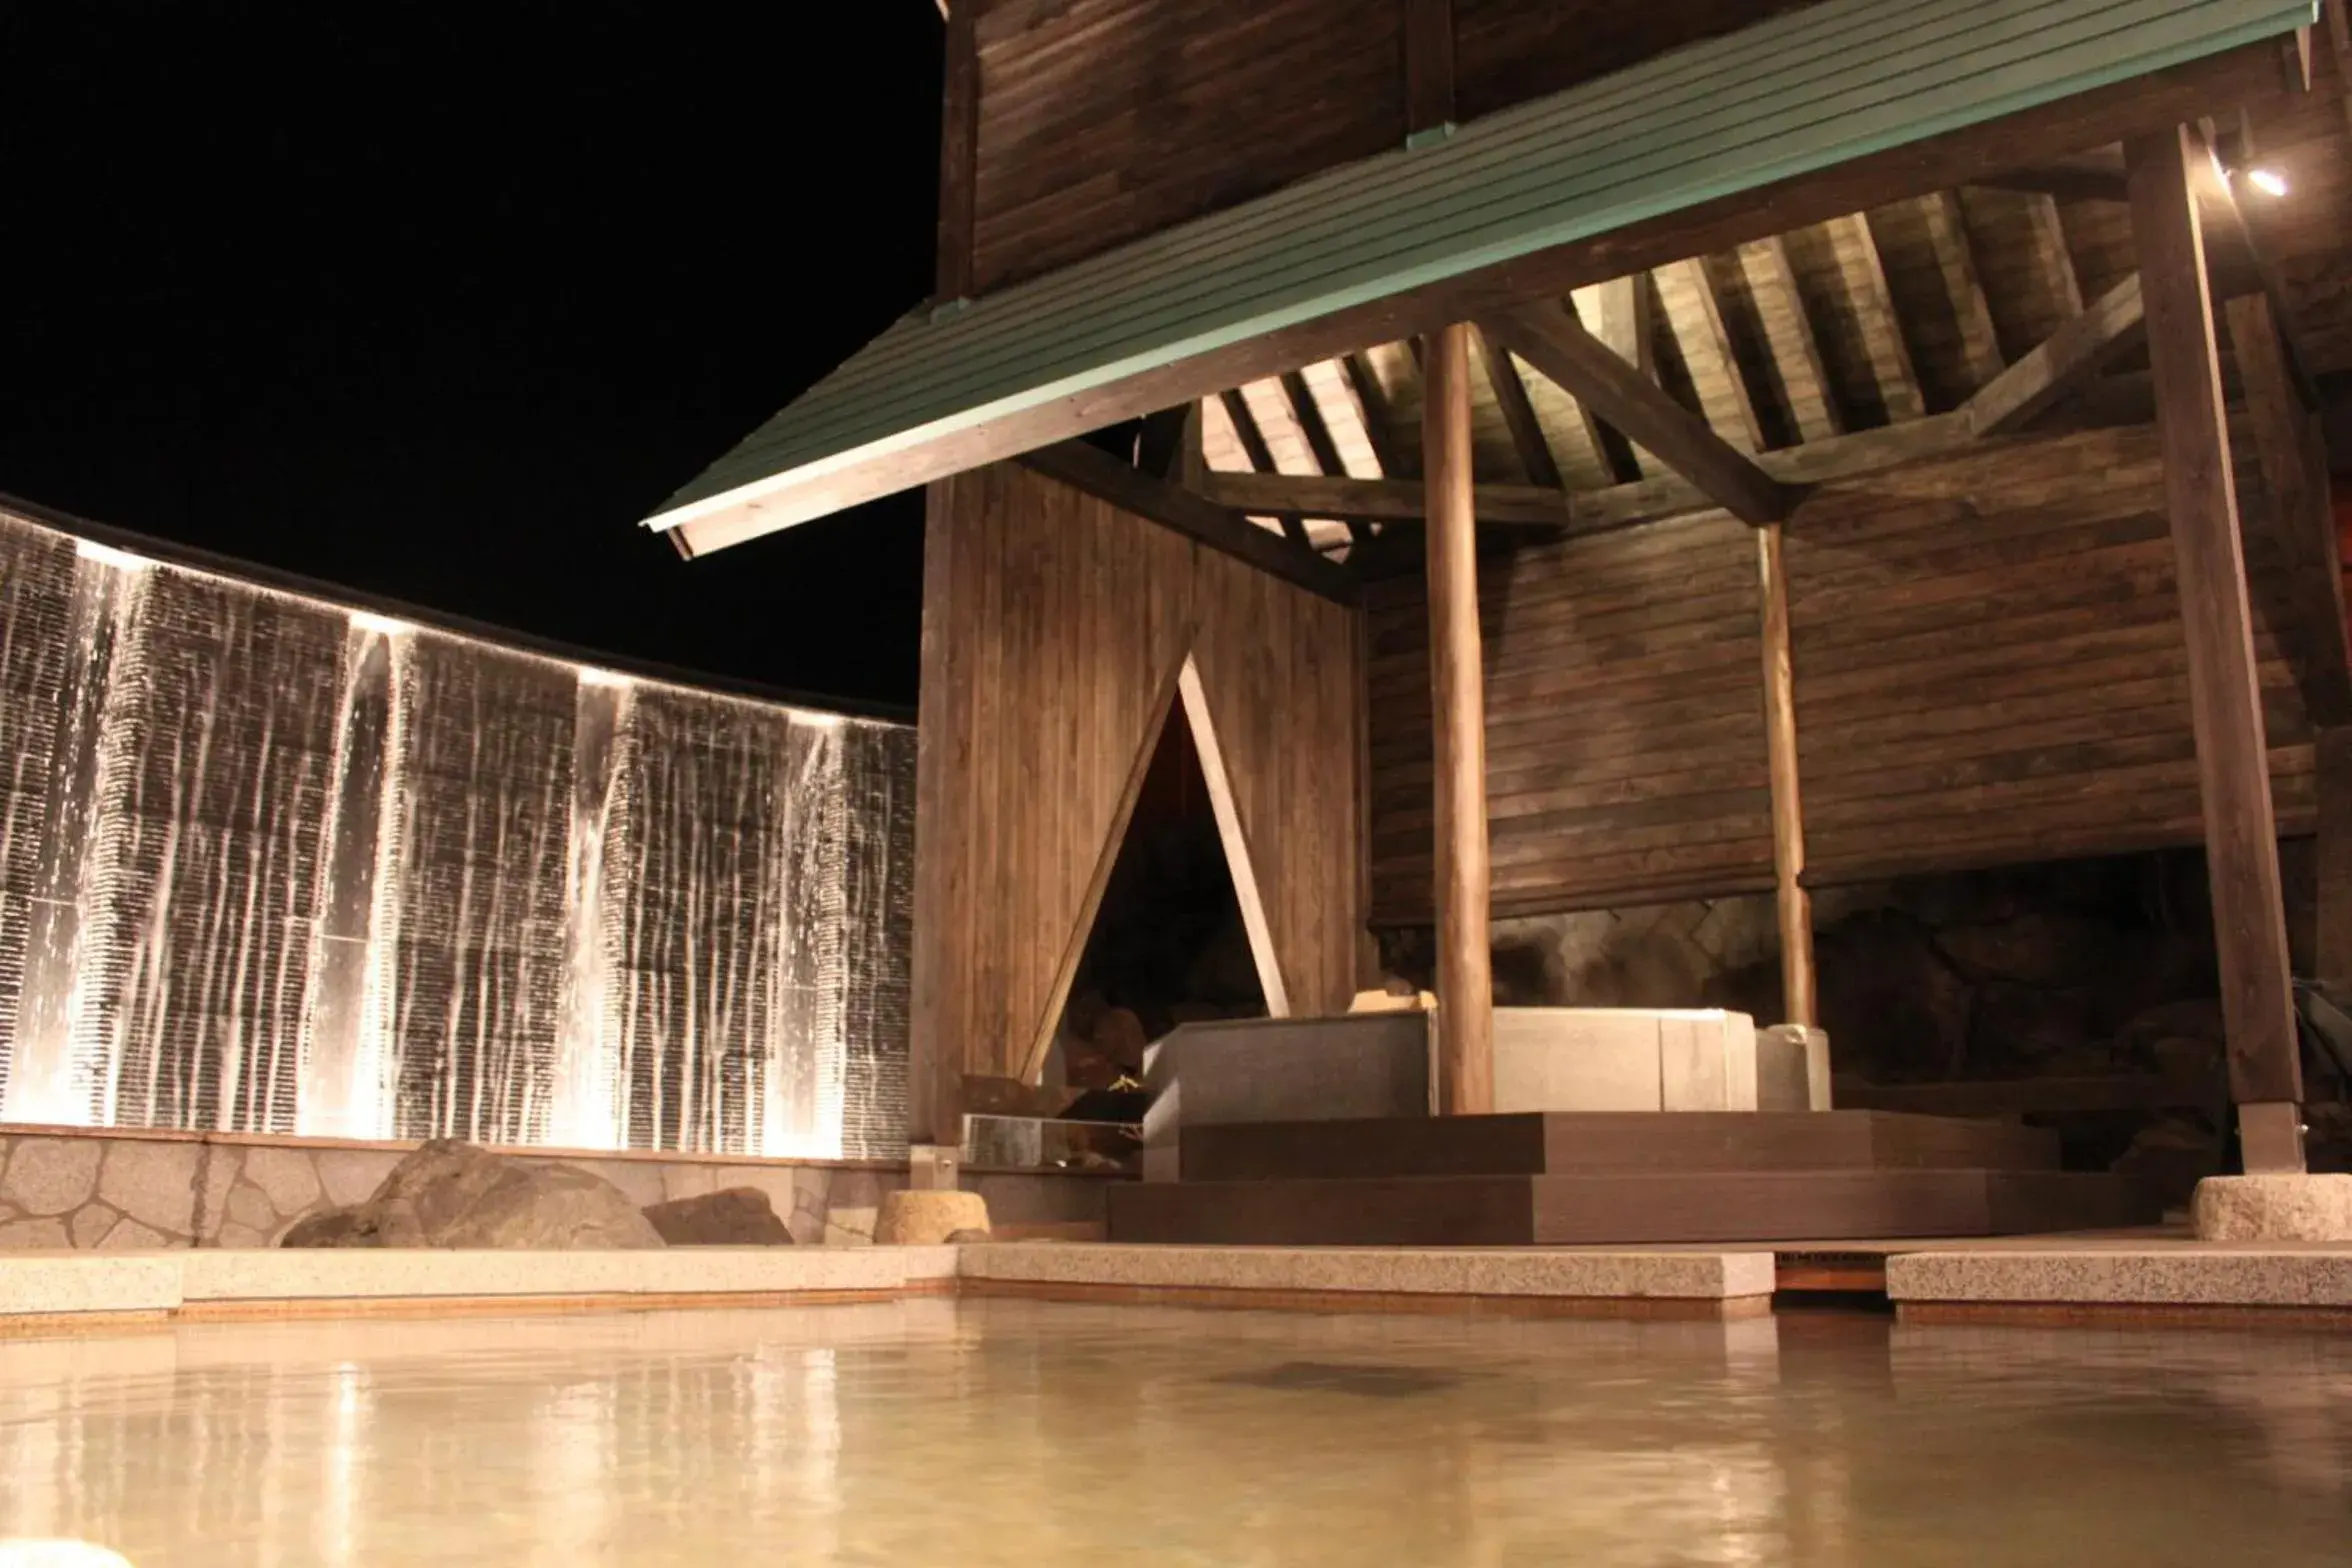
[1875,317]
[1527,432]
[2074,356]
[1259,455]
[1593,511]
[1696,315]
[1308,414]
[1947,237]
[1555,342]
[1371,400]
[1099,474]
[1788,333]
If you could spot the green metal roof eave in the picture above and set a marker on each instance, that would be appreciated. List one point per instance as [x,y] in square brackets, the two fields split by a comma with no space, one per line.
[902,392]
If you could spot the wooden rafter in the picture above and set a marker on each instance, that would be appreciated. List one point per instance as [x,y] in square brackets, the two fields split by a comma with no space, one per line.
[1258,454]
[1527,432]
[1371,400]
[1788,332]
[1946,228]
[1554,342]
[2051,252]
[1687,295]
[2073,357]
[1099,474]
[1308,414]
[1863,275]
[1619,313]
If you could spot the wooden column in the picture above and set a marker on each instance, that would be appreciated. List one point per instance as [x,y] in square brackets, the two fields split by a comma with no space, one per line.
[1799,1004]
[2225,698]
[2333,949]
[1465,979]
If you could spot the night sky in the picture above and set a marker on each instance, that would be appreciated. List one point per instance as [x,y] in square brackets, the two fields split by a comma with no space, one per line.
[438,309]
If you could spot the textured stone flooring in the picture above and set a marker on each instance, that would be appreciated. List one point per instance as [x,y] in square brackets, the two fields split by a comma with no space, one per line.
[987,1433]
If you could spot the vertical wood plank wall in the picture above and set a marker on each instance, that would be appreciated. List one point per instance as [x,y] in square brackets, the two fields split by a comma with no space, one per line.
[1054,629]
[1989,668]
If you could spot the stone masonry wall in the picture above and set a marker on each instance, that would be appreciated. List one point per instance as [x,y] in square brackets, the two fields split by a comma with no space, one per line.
[62,1188]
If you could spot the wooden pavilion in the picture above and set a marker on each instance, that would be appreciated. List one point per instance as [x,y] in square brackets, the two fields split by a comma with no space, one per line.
[1576,455]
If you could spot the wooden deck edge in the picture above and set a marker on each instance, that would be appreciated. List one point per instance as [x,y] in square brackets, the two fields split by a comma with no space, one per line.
[2120,1315]
[1642,1308]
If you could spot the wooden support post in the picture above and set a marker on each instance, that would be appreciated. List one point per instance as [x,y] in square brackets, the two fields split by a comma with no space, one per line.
[2333,956]
[1799,1004]
[1465,979]
[2225,698]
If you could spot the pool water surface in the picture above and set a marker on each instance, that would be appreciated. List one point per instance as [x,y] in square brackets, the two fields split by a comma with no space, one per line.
[983,1433]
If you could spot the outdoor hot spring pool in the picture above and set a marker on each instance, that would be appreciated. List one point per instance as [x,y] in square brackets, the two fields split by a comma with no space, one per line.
[1015,1433]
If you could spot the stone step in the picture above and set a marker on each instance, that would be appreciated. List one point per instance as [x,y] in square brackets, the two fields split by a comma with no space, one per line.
[1624,1209]
[1561,1144]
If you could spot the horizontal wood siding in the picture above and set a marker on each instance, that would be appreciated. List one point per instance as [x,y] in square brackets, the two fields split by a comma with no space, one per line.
[1990,665]
[1625,727]
[1054,629]
[1508,51]
[1989,669]
[1102,121]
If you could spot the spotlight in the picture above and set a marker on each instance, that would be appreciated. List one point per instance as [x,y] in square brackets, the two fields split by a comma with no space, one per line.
[2268,181]
[369,621]
[108,555]
[595,677]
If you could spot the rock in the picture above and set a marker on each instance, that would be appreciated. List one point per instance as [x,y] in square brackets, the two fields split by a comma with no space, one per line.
[2171,1157]
[2274,1208]
[333,1228]
[285,1177]
[2198,1018]
[51,1175]
[2015,1025]
[450,1194]
[1897,1009]
[924,1219]
[152,1183]
[2037,948]
[730,1217]
[1119,1035]
[964,1238]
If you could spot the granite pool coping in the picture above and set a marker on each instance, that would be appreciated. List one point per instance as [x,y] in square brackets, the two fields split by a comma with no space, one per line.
[1517,1272]
[2178,1275]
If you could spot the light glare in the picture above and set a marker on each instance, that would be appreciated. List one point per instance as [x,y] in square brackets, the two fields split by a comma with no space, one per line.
[2268,181]
[369,621]
[108,555]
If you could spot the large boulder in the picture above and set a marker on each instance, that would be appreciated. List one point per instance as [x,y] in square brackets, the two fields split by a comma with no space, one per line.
[2274,1208]
[454,1195]
[925,1219]
[730,1217]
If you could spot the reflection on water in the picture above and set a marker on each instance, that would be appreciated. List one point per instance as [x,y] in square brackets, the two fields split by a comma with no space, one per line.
[1007,1433]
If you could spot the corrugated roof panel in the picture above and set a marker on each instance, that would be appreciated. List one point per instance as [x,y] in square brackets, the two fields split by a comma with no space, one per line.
[1800,93]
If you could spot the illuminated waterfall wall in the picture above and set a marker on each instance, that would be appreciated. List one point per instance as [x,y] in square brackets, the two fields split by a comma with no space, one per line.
[272,865]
